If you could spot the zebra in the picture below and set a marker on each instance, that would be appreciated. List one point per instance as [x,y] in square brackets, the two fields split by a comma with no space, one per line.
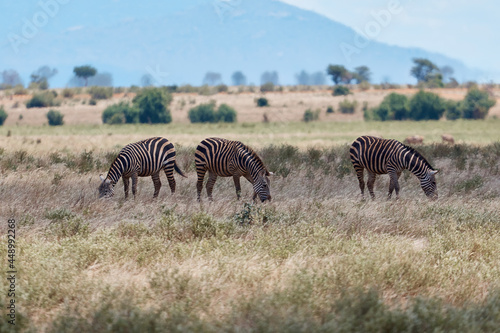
[141,159]
[226,158]
[385,156]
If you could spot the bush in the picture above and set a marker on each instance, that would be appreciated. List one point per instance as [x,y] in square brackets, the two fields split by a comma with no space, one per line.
[67,93]
[477,104]
[101,92]
[267,87]
[152,104]
[55,118]
[92,102]
[363,86]
[120,113]
[206,113]
[226,114]
[341,91]
[347,106]
[20,90]
[453,110]
[426,106]
[42,100]
[3,115]
[221,88]
[393,107]
[330,109]
[203,113]
[262,102]
[310,115]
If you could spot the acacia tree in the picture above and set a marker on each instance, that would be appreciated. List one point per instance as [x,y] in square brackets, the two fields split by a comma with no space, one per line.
[238,78]
[85,72]
[425,70]
[212,78]
[362,74]
[338,73]
[43,74]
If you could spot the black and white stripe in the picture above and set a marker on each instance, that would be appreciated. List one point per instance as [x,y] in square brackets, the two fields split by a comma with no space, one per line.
[225,158]
[382,156]
[142,159]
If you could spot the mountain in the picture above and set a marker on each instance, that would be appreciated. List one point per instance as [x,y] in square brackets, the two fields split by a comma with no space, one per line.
[178,42]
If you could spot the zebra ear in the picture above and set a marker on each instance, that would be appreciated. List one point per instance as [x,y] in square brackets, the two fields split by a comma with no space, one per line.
[102,177]
[433,172]
[271,173]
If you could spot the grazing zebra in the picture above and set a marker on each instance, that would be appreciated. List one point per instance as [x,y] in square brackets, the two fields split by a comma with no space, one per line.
[142,159]
[383,156]
[225,158]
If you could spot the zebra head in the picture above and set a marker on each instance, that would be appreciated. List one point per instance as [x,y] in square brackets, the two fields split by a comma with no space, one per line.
[262,185]
[106,189]
[428,184]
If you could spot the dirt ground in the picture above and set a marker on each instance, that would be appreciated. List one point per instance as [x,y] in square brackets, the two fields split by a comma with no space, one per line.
[284,106]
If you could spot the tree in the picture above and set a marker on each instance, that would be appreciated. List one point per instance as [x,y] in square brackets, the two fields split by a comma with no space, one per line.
[55,118]
[362,74]
[303,78]
[477,104]
[85,72]
[424,69]
[147,80]
[11,77]
[239,79]
[153,106]
[3,115]
[42,75]
[447,72]
[338,73]
[426,106]
[212,79]
[317,79]
[269,77]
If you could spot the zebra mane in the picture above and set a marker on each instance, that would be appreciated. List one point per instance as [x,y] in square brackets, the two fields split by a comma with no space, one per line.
[416,153]
[254,155]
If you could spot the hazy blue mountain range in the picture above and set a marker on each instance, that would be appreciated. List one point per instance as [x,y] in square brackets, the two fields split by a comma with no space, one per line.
[178,42]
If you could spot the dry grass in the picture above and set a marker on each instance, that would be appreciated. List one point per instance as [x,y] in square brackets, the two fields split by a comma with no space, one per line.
[306,260]
[284,106]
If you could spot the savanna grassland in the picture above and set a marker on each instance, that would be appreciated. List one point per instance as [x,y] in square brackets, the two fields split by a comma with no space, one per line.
[316,258]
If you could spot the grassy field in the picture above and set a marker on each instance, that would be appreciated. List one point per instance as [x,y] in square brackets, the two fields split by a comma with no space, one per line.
[316,258]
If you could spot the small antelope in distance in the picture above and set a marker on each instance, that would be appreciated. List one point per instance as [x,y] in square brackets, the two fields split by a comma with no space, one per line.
[385,156]
[141,159]
[226,158]
[448,138]
[414,140]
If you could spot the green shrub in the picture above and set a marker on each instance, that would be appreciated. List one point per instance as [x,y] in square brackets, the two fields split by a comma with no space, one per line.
[20,90]
[101,92]
[310,115]
[341,90]
[226,114]
[120,113]
[347,106]
[206,113]
[393,107]
[262,102]
[330,109]
[203,113]
[42,100]
[453,110]
[68,93]
[55,118]
[267,87]
[426,106]
[477,104]
[92,102]
[3,115]
[221,88]
[152,104]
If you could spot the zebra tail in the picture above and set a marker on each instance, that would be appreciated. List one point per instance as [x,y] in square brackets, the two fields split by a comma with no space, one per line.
[179,171]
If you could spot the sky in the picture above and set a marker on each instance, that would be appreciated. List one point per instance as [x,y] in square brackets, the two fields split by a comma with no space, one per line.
[466,30]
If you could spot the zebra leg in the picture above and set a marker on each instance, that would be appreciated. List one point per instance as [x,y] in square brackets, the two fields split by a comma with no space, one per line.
[212,177]
[394,184]
[157,183]
[199,184]
[371,183]
[134,183]
[171,179]
[126,186]
[237,185]
[360,175]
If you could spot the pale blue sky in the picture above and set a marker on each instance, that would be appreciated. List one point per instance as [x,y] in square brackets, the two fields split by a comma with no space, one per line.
[466,30]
